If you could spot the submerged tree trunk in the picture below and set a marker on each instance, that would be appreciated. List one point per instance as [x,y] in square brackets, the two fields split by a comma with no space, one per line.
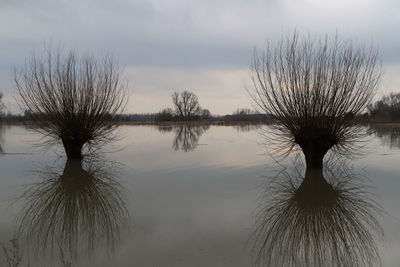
[314,159]
[314,183]
[74,177]
[315,190]
[73,148]
[72,167]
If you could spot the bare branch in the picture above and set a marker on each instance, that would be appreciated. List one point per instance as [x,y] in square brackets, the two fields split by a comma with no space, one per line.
[186,105]
[316,89]
[72,98]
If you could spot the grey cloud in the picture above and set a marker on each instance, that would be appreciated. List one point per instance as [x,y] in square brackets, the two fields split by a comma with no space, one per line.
[187,33]
[207,34]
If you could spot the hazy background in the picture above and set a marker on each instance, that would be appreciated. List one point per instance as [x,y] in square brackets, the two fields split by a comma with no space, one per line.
[174,45]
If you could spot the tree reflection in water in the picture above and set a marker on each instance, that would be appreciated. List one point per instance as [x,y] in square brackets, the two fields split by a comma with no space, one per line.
[389,134]
[77,211]
[306,222]
[186,136]
[246,127]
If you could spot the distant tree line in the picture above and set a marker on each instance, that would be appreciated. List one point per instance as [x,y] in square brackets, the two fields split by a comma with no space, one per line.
[386,109]
[165,115]
[245,114]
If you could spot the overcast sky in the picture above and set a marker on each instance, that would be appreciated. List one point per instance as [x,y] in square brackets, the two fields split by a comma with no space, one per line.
[204,46]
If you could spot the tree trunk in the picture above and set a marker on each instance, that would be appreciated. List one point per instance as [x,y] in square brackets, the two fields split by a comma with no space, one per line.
[315,191]
[314,157]
[73,148]
[73,167]
[314,182]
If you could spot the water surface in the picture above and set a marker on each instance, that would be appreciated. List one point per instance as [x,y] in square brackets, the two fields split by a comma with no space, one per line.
[166,196]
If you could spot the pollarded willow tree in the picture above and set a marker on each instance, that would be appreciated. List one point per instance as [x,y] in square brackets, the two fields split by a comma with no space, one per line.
[316,89]
[72,98]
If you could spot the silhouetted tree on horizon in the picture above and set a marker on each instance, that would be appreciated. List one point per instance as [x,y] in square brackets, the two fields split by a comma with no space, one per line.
[72,98]
[186,105]
[315,89]
[205,114]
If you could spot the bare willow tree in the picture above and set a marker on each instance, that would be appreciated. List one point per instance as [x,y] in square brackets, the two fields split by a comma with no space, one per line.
[316,89]
[186,104]
[73,98]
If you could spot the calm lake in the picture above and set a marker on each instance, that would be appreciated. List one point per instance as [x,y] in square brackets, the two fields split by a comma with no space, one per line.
[180,196]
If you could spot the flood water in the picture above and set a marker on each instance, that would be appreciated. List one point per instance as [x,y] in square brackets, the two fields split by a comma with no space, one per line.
[202,196]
